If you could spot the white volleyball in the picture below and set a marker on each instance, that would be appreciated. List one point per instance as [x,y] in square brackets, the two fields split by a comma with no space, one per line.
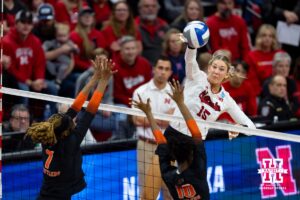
[196,33]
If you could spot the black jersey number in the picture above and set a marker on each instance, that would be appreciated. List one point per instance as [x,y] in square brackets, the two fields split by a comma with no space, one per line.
[49,159]
[185,191]
[203,113]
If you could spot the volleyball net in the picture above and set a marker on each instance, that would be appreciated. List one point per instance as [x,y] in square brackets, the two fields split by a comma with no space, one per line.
[258,164]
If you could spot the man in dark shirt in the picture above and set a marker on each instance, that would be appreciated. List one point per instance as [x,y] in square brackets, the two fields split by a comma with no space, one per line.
[275,104]
[61,139]
[188,180]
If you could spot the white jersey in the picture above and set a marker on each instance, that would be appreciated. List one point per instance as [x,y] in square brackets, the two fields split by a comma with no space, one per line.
[160,102]
[202,103]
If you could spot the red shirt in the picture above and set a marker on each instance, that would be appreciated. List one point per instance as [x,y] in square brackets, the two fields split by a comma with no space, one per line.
[128,78]
[231,34]
[297,95]
[27,57]
[64,16]
[260,68]
[97,39]
[102,13]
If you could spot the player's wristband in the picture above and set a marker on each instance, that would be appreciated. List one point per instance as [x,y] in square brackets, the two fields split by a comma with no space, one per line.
[159,137]
[193,127]
[94,102]
[79,101]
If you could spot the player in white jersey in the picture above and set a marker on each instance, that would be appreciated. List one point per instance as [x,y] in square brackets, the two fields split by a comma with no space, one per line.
[204,95]
[150,181]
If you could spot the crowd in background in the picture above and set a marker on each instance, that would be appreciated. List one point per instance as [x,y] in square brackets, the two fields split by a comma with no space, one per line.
[48,46]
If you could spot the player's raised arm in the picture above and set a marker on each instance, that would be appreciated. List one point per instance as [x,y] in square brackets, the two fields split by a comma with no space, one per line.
[146,108]
[177,96]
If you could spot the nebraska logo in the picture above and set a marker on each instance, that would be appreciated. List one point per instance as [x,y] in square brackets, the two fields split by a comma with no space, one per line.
[276,172]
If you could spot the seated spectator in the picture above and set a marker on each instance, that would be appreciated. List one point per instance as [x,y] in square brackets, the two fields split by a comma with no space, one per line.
[59,54]
[44,29]
[19,121]
[193,10]
[152,28]
[274,106]
[121,23]
[281,66]
[172,9]
[174,50]
[27,59]
[66,11]
[133,71]
[102,12]
[203,60]
[104,121]
[296,77]
[34,8]
[241,90]
[261,58]
[87,38]
[11,8]
[228,31]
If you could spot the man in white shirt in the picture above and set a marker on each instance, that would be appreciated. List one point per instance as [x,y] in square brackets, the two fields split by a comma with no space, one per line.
[156,90]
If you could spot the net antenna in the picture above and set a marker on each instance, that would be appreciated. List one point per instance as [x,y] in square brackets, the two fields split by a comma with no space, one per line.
[133,111]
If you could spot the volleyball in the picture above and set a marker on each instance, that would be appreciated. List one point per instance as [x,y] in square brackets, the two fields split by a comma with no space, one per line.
[196,34]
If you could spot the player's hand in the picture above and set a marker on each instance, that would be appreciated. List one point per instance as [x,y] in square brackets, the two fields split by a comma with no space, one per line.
[106,68]
[145,107]
[232,134]
[177,91]
[181,38]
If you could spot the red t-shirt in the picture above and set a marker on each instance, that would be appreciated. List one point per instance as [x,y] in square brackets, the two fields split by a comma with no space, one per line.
[129,78]
[97,39]
[27,56]
[231,34]
[260,68]
[102,13]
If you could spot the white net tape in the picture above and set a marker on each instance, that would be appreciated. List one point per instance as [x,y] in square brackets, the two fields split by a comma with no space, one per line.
[136,112]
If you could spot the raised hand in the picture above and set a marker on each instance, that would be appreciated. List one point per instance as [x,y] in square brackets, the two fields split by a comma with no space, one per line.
[107,69]
[145,107]
[177,91]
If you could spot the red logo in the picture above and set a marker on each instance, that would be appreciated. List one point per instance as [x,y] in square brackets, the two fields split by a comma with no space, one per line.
[185,191]
[205,98]
[167,101]
[276,172]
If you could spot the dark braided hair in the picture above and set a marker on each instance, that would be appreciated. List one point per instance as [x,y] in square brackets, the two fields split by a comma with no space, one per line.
[56,127]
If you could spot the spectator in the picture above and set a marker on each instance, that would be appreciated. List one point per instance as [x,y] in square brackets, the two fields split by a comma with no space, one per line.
[44,29]
[296,76]
[228,31]
[34,9]
[280,10]
[59,54]
[193,10]
[152,28]
[281,66]
[104,121]
[121,23]
[173,8]
[261,58]
[87,38]
[27,59]
[148,164]
[174,50]
[274,106]
[102,12]
[133,71]
[241,90]
[203,60]
[11,8]
[19,121]
[67,11]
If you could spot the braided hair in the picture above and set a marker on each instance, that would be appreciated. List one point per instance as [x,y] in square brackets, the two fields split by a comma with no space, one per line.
[48,132]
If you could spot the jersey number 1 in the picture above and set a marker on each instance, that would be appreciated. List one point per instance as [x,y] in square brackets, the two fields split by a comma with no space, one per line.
[186,190]
[49,159]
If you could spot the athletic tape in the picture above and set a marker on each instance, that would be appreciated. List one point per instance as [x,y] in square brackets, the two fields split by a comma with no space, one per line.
[136,112]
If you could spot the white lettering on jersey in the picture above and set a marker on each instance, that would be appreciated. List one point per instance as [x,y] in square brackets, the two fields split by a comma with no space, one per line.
[227,32]
[130,82]
[23,54]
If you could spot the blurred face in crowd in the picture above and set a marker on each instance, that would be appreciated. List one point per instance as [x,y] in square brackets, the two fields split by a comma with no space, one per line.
[266,39]
[121,12]
[87,19]
[162,71]
[19,120]
[225,8]
[193,11]
[174,46]
[282,68]
[217,72]
[62,36]
[148,9]
[36,3]
[240,72]
[24,28]
[278,86]
[129,52]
